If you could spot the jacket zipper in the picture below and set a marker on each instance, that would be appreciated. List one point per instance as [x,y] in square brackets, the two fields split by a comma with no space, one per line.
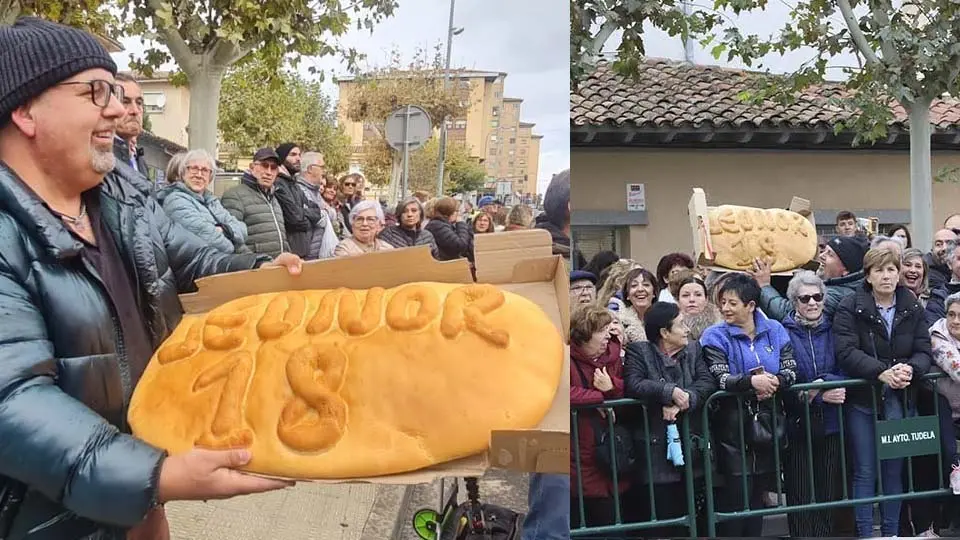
[125,379]
[813,353]
[275,222]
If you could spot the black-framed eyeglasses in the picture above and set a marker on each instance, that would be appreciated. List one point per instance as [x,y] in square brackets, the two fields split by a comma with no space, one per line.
[100,91]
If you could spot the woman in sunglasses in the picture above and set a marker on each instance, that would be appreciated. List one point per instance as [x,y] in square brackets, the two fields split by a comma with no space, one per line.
[812,338]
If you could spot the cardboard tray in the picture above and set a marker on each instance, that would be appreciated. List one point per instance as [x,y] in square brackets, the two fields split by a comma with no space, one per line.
[519,262]
[697,210]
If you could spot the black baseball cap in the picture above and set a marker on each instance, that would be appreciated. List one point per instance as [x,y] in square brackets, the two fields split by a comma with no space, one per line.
[264,154]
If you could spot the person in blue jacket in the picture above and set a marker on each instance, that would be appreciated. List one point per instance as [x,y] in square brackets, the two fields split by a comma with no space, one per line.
[752,354]
[811,334]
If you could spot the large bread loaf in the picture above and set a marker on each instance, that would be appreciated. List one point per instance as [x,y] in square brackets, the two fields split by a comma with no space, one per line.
[739,235]
[342,383]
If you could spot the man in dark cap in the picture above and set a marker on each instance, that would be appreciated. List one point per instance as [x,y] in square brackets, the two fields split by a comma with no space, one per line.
[301,217]
[255,202]
[583,288]
[89,273]
[841,268]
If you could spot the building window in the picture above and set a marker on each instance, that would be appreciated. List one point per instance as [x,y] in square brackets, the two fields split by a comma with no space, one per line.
[494,123]
[154,102]
[513,140]
[493,150]
[460,124]
[493,138]
[511,152]
[510,164]
[495,111]
[592,240]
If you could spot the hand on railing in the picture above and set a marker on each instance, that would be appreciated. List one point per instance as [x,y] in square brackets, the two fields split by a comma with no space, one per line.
[765,384]
[681,398]
[896,377]
[670,413]
[601,380]
[812,394]
[835,396]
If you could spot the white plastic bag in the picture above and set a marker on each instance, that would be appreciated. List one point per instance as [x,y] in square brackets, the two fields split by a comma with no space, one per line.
[329,241]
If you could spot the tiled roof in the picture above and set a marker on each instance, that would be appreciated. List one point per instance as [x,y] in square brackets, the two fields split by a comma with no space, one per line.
[670,94]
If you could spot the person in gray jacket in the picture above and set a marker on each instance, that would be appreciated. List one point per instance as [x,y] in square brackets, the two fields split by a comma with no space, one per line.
[189,203]
[311,183]
[254,203]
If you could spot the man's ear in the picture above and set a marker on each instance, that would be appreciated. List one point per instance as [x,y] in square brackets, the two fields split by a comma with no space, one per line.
[23,118]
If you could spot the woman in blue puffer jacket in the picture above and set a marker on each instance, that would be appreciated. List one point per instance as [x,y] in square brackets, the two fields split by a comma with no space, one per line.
[188,202]
[811,334]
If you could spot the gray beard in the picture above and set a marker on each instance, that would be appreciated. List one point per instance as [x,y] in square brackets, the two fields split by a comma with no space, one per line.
[103,161]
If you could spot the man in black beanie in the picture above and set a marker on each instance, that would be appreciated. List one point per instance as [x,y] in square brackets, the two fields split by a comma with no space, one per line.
[89,274]
[841,268]
[301,217]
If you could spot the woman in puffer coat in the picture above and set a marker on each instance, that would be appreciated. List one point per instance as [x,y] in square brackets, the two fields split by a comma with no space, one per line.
[408,232]
[451,235]
[811,333]
[595,376]
[888,344]
[189,203]
[669,374]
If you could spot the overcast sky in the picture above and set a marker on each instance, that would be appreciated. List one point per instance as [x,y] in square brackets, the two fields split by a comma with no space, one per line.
[762,23]
[527,39]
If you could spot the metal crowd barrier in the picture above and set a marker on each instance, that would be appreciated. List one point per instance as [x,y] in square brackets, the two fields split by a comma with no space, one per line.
[712,516]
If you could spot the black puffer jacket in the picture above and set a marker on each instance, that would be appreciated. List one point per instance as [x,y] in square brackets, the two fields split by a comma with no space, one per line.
[67,467]
[938,274]
[260,210]
[651,376]
[453,240]
[936,308]
[299,217]
[863,347]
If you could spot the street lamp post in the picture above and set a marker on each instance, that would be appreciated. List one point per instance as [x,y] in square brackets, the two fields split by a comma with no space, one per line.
[442,154]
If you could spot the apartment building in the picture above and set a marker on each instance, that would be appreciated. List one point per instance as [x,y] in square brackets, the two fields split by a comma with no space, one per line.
[491,128]
[167,106]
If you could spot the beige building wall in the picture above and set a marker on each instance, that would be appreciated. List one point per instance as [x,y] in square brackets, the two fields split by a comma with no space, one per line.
[169,121]
[533,165]
[854,180]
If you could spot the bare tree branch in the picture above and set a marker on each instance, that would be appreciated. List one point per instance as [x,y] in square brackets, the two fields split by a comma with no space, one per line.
[856,34]
[887,47]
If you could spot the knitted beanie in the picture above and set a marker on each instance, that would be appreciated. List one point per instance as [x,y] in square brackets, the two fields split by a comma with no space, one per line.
[284,150]
[36,54]
[850,250]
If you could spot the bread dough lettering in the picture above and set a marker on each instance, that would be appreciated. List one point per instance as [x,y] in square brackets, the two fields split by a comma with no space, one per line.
[351,383]
[227,430]
[785,239]
[315,417]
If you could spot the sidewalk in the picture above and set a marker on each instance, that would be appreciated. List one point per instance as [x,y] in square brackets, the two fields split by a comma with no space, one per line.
[307,511]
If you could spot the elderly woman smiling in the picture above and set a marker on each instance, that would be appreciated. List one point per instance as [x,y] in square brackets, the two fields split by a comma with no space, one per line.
[188,202]
[366,220]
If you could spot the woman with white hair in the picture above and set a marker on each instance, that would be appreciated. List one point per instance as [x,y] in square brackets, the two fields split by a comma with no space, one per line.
[188,202]
[367,220]
[811,334]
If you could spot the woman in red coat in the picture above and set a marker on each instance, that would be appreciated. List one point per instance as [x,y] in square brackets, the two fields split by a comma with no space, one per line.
[596,374]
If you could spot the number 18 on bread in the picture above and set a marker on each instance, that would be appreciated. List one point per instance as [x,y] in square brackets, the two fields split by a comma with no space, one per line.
[326,384]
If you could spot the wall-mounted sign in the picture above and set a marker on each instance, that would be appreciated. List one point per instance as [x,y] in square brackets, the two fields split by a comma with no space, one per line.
[636,198]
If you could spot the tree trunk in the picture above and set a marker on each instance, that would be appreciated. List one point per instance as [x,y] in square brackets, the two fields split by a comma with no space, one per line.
[921,179]
[204,107]
[9,11]
[396,172]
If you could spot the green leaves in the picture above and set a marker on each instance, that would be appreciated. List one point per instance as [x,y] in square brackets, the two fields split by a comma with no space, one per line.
[262,106]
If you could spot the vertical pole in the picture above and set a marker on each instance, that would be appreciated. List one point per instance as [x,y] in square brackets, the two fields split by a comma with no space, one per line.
[442,153]
[921,177]
[406,153]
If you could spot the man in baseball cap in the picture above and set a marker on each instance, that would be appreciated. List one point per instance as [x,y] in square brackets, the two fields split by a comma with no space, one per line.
[89,276]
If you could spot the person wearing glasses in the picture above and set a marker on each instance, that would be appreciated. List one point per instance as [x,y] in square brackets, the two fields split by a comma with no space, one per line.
[348,197]
[811,334]
[367,220]
[89,274]
[189,203]
[254,202]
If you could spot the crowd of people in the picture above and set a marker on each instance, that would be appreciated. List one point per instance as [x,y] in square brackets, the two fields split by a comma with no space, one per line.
[878,308]
[93,256]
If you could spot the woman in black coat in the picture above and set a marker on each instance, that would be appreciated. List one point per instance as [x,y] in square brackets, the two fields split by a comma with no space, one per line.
[451,235]
[880,334]
[668,373]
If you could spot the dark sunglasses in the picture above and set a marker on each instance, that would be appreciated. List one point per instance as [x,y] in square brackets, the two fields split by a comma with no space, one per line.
[349,184]
[100,91]
[805,299]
